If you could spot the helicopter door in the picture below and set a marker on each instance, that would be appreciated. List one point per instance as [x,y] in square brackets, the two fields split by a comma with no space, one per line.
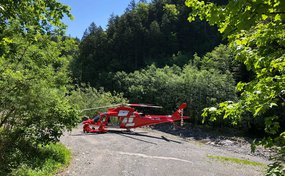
[129,121]
[113,121]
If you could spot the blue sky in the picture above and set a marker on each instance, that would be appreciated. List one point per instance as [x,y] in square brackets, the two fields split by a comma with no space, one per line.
[87,11]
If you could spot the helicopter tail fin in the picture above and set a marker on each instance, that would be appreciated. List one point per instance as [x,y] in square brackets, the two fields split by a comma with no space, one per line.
[178,115]
[179,111]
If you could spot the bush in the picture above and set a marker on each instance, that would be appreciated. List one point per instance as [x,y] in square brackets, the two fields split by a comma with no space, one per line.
[45,162]
[170,86]
[34,109]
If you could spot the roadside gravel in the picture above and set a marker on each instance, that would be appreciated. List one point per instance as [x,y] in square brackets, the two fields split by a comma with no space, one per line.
[228,139]
[150,152]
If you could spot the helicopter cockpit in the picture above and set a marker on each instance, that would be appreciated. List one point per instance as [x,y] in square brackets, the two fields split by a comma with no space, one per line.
[96,118]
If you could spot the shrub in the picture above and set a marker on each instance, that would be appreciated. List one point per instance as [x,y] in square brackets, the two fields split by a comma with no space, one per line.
[170,86]
[46,161]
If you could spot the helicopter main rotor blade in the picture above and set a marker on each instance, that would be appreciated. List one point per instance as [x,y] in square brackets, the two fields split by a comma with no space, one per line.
[144,105]
[101,107]
[123,104]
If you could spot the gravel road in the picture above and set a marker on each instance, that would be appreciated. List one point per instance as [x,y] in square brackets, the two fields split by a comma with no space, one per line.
[149,152]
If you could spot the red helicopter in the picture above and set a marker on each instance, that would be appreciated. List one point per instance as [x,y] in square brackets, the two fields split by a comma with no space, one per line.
[127,117]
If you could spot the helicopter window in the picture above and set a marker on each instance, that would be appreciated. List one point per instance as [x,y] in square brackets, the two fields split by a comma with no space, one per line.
[113,120]
[123,113]
[131,119]
[104,118]
[96,118]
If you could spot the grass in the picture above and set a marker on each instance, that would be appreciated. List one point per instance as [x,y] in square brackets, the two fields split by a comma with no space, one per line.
[236,160]
[52,159]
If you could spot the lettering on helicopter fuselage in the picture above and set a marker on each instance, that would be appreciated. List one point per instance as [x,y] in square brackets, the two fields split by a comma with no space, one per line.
[130,124]
[128,121]
[156,118]
[125,120]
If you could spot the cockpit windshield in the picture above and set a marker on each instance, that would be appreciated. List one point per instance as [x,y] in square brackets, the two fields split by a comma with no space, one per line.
[96,118]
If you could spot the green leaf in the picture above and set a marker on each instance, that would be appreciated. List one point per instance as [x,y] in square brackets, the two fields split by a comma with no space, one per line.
[264,17]
[277,17]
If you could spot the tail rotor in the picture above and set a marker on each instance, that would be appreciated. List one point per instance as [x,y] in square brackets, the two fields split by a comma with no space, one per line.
[179,115]
[181,119]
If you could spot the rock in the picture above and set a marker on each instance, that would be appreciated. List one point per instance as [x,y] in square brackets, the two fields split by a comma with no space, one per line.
[227,142]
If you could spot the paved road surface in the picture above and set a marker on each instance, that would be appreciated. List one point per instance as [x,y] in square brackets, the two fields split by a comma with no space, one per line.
[149,153]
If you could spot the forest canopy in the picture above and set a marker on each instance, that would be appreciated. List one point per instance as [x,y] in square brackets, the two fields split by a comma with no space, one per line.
[147,33]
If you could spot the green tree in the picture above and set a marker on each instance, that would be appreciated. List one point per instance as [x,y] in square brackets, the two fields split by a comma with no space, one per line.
[92,61]
[170,86]
[34,78]
[221,58]
[34,109]
[256,31]
[31,15]
[147,33]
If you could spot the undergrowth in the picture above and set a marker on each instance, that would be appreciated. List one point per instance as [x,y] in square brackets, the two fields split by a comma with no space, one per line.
[236,160]
[46,162]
